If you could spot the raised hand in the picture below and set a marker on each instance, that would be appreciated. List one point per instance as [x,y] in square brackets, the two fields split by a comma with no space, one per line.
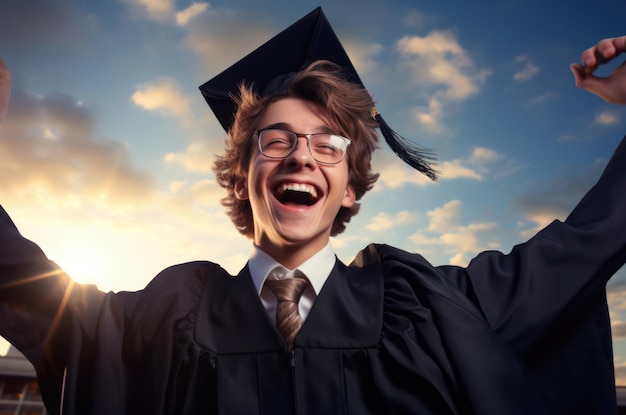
[611,88]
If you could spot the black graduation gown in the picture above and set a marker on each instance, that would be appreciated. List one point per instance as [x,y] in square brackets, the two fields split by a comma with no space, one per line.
[522,333]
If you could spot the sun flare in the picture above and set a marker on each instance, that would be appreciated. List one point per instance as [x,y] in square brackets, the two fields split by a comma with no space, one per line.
[83,263]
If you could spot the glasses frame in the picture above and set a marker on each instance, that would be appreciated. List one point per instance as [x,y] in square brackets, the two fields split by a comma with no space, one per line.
[257,134]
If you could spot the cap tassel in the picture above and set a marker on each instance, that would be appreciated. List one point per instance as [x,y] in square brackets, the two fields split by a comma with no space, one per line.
[416,156]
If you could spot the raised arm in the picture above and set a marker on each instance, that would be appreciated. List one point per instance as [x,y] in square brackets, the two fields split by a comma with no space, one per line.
[560,273]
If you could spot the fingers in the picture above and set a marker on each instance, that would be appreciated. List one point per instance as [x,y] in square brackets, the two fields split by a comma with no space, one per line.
[579,73]
[604,51]
[612,88]
[584,79]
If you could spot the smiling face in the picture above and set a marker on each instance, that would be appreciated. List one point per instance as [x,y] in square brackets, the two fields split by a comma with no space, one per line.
[294,200]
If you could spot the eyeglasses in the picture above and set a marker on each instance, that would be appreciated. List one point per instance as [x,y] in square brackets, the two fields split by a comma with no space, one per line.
[325,148]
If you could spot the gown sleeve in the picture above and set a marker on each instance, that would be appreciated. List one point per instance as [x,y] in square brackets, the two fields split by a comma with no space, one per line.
[90,348]
[43,313]
[558,275]
[547,298]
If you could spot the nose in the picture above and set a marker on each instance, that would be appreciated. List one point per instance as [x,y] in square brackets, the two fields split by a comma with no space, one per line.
[301,155]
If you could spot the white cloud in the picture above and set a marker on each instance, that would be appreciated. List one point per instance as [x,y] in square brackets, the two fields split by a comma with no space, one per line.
[540,220]
[383,221]
[395,174]
[456,170]
[51,150]
[198,157]
[483,155]
[431,115]
[618,328]
[59,176]
[616,290]
[528,71]
[464,237]
[439,63]
[620,373]
[541,99]
[159,10]
[434,46]
[449,236]
[444,218]
[184,16]
[165,11]
[164,95]
[607,118]
[474,167]
[420,239]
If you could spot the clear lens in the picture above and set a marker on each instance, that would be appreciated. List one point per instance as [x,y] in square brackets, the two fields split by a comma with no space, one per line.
[325,148]
[276,143]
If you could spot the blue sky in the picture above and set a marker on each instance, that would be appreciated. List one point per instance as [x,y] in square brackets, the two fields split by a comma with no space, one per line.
[105,155]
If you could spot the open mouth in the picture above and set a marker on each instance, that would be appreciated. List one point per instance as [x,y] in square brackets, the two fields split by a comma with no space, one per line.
[296,194]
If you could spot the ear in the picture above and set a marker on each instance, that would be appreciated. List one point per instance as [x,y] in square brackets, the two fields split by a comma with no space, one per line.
[241,189]
[349,197]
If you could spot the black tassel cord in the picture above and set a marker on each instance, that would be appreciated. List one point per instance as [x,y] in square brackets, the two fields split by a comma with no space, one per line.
[420,158]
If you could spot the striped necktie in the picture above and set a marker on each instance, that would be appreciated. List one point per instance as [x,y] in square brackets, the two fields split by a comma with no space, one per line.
[288,292]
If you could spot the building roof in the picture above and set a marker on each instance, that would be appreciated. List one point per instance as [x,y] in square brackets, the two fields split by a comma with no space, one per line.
[15,364]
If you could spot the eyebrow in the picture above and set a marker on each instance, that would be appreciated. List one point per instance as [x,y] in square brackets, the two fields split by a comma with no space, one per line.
[286,126]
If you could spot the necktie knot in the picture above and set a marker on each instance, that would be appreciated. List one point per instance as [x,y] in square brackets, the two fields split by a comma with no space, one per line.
[288,292]
[288,289]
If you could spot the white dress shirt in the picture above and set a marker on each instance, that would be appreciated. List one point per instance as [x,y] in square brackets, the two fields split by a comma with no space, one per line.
[316,269]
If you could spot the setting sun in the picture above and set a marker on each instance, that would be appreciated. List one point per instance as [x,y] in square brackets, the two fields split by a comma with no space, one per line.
[83,263]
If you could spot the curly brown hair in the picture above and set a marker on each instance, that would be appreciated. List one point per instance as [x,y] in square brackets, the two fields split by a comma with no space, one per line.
[347,106]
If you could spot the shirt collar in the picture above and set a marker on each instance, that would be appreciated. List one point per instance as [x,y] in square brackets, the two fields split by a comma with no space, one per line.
[317,268]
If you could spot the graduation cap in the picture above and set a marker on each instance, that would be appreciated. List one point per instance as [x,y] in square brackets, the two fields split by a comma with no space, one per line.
[309,39]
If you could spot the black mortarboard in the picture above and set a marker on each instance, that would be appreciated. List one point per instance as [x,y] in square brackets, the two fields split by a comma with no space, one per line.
[309,39]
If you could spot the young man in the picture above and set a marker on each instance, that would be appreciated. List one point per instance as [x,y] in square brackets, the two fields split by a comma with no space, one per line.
[521,333]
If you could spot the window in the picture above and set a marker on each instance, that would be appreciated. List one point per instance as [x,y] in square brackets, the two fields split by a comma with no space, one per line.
[11,390]
[20,397]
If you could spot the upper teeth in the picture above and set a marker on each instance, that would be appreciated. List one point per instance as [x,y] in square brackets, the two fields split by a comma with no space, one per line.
[297,187]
